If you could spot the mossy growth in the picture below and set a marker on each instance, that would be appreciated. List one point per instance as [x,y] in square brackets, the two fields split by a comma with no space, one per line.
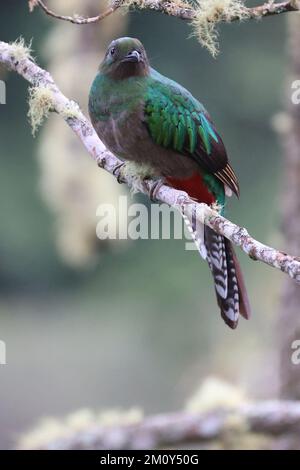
[211,12]
[20,51]
[40,104]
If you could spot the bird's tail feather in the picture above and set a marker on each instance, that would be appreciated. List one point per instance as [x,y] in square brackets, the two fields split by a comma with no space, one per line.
[229,282]
[230,288]
[196,231]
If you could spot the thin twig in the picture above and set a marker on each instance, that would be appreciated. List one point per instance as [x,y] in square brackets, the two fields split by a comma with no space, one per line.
[39,78]
[78,19]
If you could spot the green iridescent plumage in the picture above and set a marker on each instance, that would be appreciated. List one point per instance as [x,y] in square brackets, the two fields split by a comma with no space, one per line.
[175,118]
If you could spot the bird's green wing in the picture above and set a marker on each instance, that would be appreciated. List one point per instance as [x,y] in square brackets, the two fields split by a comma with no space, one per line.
[176,120]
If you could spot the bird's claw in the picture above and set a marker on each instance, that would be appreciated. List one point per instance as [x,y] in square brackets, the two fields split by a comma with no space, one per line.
[118,173]
[101,163]
[154,188]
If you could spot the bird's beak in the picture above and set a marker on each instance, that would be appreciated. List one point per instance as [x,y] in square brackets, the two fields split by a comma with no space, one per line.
[133,56]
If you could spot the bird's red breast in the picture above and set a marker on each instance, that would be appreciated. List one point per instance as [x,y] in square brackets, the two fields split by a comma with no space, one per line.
[194,186]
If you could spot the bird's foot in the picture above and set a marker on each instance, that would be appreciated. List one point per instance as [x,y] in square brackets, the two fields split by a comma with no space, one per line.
[154,188]
[118,172]
[139,175]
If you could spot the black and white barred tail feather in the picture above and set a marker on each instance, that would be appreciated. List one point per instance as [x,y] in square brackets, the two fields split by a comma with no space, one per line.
[229,283]
[230,287]
[196,230]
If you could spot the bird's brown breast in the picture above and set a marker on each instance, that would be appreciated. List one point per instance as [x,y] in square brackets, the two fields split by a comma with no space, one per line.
[126,135]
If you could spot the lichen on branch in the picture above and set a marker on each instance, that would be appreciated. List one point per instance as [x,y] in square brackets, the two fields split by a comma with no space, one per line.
[40,103]
[19,50]
[209,13]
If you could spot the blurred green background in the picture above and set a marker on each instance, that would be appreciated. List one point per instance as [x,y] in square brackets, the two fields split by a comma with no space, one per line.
[140,326]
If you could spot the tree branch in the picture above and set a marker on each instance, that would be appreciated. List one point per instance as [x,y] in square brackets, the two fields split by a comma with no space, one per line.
[76,19]
[183,11]
[276,425]
[17,57]
[203,16]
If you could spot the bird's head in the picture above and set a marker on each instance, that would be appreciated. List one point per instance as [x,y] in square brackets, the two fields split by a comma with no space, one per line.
[124,58]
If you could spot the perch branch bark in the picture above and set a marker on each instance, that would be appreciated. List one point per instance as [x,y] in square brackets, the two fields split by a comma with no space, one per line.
[17,59]
[277,421]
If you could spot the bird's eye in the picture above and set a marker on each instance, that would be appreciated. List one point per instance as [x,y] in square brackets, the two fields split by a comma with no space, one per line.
[112,51]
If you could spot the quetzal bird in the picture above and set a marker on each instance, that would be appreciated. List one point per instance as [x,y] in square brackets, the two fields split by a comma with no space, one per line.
[152,121]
